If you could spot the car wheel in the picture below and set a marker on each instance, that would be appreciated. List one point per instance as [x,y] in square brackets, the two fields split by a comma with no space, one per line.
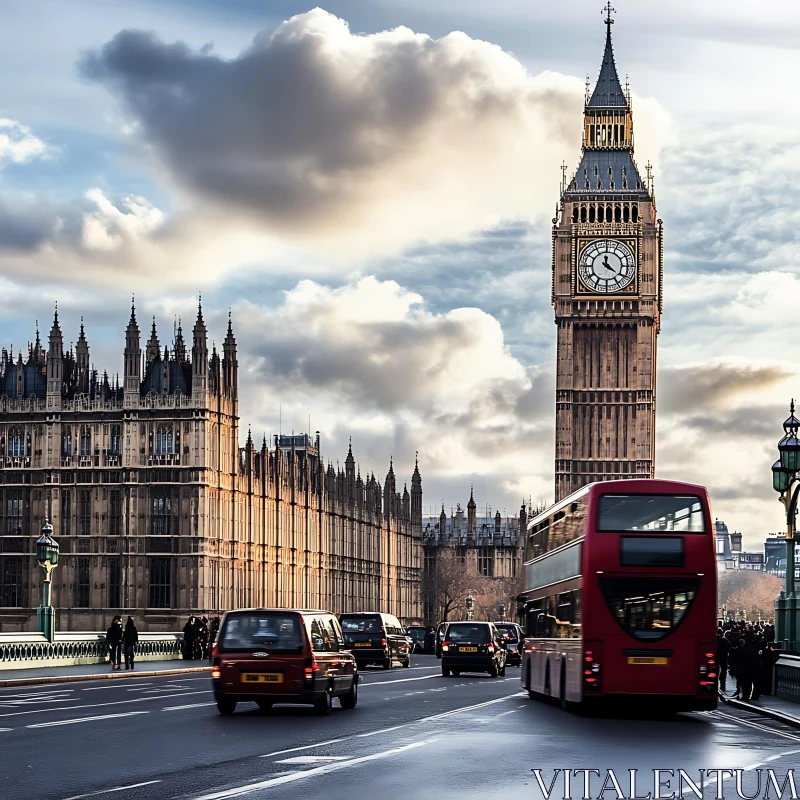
[387,663]
[323,706]
[226,707]
[350,699]
[264,705]
[445,671]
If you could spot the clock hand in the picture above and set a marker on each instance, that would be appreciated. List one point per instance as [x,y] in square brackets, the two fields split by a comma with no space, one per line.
[607,265]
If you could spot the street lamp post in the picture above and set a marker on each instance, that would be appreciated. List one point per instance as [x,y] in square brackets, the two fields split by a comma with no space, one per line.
[47,554]
[502,612]
[470,606]
[786,482]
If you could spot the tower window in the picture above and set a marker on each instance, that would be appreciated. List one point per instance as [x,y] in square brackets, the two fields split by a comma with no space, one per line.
[66,442]
[84,511]
[635,212]
[165,441]
[86,441]
[16,443]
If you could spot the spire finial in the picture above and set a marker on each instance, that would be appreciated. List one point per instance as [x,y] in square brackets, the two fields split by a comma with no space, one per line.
[608,10]
[55,317]
[791,406]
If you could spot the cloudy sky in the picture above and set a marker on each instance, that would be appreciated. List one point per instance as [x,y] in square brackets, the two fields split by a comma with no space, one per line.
[369,186]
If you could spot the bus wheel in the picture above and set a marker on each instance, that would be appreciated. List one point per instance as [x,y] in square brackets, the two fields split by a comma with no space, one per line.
[531,693]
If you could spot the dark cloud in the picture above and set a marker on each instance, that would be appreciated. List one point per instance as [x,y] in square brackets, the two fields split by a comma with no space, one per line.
[684,390]
[313,128]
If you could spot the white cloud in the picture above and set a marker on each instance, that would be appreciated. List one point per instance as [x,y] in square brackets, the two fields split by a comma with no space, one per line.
[18,144]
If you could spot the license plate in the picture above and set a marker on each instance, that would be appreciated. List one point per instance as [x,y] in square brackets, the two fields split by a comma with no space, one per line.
[647,660]
[467,649]
[262,677]
[363,644]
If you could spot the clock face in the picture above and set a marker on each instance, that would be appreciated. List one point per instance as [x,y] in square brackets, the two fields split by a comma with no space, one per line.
[606,266]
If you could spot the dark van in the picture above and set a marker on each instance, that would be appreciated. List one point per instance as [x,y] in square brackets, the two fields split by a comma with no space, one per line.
[375,638]
[276,655]
[473,647]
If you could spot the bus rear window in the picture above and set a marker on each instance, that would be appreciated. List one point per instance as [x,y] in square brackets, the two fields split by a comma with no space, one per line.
[650,513]
[649,609]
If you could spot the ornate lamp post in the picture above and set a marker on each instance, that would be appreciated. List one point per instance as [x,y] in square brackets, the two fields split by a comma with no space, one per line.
[47,554]
[502,611]
[470,606]
[785,481]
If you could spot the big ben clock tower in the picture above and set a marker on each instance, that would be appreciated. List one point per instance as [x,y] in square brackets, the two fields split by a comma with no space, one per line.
[607,276]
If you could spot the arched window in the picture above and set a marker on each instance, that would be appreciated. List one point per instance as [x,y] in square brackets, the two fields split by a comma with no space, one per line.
[583,213]
[575,214]
[591,213]
[635,212]
[617,214]
[16,443]
[626,214]
[66,442]
[601,214]
[165,441]
[115,444]
[86,440]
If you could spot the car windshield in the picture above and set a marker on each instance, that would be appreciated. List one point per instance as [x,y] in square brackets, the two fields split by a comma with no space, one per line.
[418,634]
[509,632]
[467,632]
[361,624]
[264,630]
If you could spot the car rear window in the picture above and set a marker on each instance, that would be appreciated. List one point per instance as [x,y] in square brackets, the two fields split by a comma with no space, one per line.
[361,624]
[508,631]
[418,634]
[267,630]
[466,632]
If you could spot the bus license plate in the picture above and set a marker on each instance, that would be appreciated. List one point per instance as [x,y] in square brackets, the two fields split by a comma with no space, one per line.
[647,660]
[467,649]
[262,677]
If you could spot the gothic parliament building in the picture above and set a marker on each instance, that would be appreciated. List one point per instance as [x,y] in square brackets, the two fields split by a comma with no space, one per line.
[160,513]
[607,267]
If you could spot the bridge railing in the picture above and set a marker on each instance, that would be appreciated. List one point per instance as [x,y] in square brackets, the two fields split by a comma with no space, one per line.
[30,650]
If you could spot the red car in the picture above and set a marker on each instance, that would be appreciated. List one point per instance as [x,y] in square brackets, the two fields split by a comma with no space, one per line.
[273,656]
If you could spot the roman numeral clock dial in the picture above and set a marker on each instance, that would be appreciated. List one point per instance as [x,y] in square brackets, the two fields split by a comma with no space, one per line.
[606,266]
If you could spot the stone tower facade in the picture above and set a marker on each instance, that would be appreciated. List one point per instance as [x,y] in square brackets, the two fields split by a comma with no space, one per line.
[159,510]
[607,295]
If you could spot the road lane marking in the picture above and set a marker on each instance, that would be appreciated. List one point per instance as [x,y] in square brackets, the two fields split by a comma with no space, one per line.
[513,711]
[115,789]
[755,725]
[362,684]
[115,686]
[85,719]
[469,708]
[191,705]
[102,705]
[323,770]
[312,759]
[3,730]
[382,730]
[304,747]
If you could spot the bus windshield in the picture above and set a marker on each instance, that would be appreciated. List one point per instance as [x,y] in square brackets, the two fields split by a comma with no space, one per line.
[650,513]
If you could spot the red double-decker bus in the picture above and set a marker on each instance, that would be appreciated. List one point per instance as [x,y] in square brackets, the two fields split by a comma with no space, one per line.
[620,596]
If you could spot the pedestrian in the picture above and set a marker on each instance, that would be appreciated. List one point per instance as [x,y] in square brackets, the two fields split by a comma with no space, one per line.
[130,639]
[189,638]
[214,630]
[723,650]
[768,660]
[749,666]
[201,646]
[430,640]
[736,658]
[114,642]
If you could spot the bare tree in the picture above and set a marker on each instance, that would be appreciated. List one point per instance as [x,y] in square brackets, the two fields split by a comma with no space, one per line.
[446,586]
[755,592]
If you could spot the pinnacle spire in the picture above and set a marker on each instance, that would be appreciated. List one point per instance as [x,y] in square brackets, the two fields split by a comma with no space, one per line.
[608,92]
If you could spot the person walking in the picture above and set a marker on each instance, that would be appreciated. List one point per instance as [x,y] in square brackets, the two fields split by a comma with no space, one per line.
[114,642]
[130,638]
[202,638]
[723,651]
[189,639]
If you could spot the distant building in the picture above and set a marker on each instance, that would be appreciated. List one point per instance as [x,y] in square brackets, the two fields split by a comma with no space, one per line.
[729,551]
[775,556]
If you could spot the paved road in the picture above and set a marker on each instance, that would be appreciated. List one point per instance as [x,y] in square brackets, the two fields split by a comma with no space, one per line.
[413,735]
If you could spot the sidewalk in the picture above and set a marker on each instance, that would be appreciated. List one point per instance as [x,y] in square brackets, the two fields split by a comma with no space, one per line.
[87,672]
[772,707]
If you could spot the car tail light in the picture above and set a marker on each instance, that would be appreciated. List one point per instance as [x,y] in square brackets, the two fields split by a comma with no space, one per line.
[215,650]
[593,667]
[491,647]
[216,672]
[383,642]
[311,667]
[708,669]
[445,646]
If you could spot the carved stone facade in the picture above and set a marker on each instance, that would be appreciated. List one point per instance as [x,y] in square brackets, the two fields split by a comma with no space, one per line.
[607,296]
[160,513]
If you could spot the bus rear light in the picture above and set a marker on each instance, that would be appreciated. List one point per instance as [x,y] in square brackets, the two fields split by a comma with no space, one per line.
[592,671]
[707,669]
